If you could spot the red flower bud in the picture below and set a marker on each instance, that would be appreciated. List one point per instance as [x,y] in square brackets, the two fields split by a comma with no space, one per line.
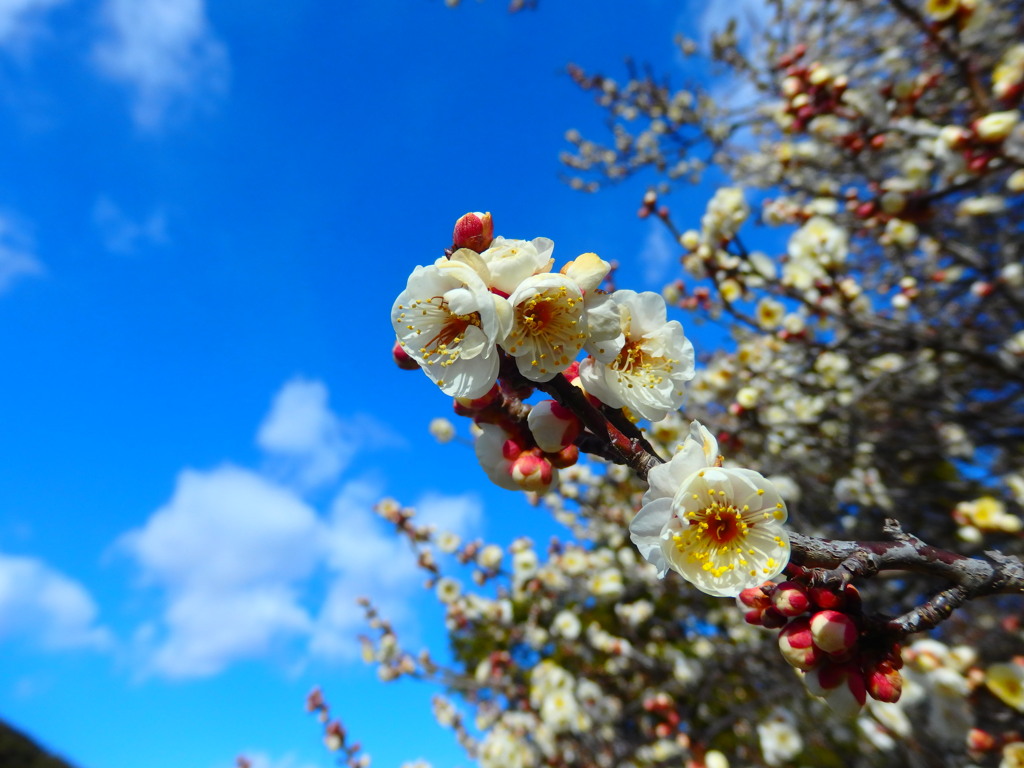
[402,359]
[790,599]
[796,645]
[564,458]
[824,597]
[532,472]
[885,683]
[474,231]
[833,632]
[754,597]
[980,741]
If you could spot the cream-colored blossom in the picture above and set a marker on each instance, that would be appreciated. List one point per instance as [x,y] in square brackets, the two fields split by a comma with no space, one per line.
[645,366]
[720,528]
[1006,681]
[509,262]
[449,322]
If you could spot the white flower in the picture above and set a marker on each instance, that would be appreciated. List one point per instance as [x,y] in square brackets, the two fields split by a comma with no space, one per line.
[645,366]
[448,590]
[449,322]
[566,624]
[509,262]
[549,326]
[720,528]
[780,740]
[442,430]
[818,245]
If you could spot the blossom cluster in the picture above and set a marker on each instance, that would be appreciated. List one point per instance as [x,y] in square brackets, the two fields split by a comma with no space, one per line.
[490,321]
[457,317]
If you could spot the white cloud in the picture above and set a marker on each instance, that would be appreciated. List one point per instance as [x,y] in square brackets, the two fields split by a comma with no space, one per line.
[239,559]
[122,234]
[310,444]
[19,19]
[658,253]
[230,549]
[459,514]
[164,50]
[46,607]
[16,252]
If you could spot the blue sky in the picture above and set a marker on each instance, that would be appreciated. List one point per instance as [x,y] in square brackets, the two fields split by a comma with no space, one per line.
[206,211]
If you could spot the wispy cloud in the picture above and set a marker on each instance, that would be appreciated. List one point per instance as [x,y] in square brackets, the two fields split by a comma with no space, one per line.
[240,559]
[122,234]
[165,51]
[20,20]
[45,607]
[17,252]
[308,443]
[658,253]
[228,550]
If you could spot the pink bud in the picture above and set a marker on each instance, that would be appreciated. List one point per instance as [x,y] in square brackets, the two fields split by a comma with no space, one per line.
[474,231]
[565,457]
[532,472]
[796,645]
[833,632]
[402,359]
[823,597]
[754,597]
[885,683]
[980,741]
[511,449]
[790,599]
[553,426]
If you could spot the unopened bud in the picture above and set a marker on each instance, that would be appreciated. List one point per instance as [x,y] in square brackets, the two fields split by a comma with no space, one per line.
[553,426]
[797,645]
[833,632]
[754,597]
[823,597]
[532,472]
[565,457]
[980,741]
[402,358]
[885,683]
[474,231]
[790,599]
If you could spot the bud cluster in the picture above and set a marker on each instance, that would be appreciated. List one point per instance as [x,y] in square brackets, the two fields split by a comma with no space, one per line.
[822,635]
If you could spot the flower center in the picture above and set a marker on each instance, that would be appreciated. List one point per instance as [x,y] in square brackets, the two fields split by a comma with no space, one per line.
[721,523]
[443,348]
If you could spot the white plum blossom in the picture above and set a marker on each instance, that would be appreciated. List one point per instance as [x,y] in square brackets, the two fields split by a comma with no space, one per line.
[718,527]
[645,366]
[818,245]
[549,327]
[450,323]
[509,262]
[780,740]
